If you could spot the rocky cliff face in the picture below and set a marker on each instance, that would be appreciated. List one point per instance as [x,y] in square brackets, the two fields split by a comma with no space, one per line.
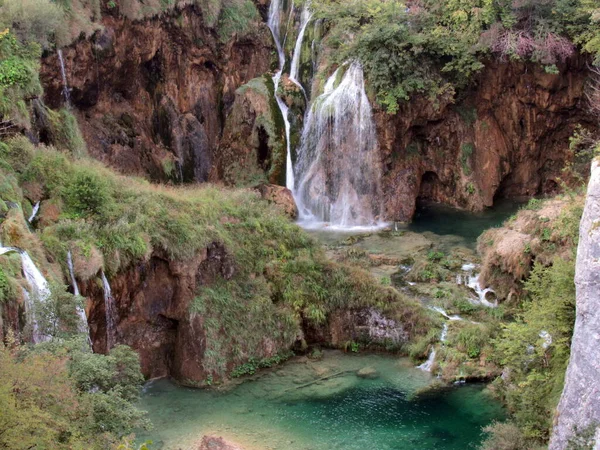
[578,417]
[165,98]
[151,96]
[507,137]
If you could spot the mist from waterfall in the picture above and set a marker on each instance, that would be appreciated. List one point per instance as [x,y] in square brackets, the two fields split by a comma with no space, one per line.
[338,168]
[110,313]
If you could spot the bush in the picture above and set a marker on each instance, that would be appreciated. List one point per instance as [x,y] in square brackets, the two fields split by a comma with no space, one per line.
[88,193]
[41,21]
[504,436]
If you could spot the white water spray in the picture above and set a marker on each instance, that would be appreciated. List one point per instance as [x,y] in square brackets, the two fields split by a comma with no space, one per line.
[471,279]
[338,167]
[110,313]
[34,212]
[66,91]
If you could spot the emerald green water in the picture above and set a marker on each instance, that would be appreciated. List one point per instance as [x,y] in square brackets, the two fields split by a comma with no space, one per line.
[445,220]
[278,410]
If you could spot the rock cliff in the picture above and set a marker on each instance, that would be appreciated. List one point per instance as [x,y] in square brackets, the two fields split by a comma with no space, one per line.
[167,99]
[578,417]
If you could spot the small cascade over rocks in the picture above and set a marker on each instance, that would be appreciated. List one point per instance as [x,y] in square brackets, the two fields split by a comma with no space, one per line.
[34,212]
[338,167]
[427,365]
[470,279]
[275,14]
[110,314]
[83,322]
[65,90]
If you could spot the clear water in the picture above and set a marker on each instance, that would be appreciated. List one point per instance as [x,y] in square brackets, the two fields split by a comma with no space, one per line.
[277,411]
[445,220]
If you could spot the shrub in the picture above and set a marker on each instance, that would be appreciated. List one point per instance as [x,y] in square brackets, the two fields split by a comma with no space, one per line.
[504,436]
[40,21]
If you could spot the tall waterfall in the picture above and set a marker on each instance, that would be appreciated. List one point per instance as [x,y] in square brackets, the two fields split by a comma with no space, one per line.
[110,314]
[338,167]
[275,13]
[65,90]
[83,322]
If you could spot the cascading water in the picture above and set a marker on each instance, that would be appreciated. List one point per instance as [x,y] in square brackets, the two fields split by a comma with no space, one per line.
[66,92]
[275,13]
[427,365]
[338,167]
[295,67]
[34,212]
[39,290]
[110,313]
[471,279]
[83,323]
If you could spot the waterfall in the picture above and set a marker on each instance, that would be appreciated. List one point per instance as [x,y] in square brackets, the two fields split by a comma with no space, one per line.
[275,11]
[39,290]
[83,322]
[110,313]
[36,208]
[338,167]
[427,365]
[66,92]
[295,68]
[471,279]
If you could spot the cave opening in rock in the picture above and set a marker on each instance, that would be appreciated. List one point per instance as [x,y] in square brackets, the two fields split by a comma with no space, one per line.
[430,184]
[263,152]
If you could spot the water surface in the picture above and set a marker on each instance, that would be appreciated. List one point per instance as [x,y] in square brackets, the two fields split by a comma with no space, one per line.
[281,409]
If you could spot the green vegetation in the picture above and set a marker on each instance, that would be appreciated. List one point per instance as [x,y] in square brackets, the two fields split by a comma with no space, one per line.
[434,48]
[60,396]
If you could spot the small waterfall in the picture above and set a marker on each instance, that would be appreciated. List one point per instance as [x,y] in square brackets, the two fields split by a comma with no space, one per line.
[66,91]
[110,314]
[427,365]
[39,290]
[471,279]
[36,208]
[295,68]
[275,12]
[83,322]
[338,167]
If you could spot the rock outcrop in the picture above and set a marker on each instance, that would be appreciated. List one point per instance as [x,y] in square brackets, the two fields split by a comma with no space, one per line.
[508,137]
[578,416]
[151,96]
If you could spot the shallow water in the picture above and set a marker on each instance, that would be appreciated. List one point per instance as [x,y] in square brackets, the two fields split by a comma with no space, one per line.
[278,410]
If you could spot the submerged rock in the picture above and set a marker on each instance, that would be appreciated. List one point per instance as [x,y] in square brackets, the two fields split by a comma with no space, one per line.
[369,373]
[217,443]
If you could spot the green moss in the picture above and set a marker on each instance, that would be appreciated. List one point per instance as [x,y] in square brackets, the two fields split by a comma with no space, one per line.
[236,17]
[466,151]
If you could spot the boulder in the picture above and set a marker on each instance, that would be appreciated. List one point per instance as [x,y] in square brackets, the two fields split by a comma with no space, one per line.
[280,196]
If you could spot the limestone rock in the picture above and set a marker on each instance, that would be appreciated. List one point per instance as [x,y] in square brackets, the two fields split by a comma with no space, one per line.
[369,373]
[579,408]
[280,196]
